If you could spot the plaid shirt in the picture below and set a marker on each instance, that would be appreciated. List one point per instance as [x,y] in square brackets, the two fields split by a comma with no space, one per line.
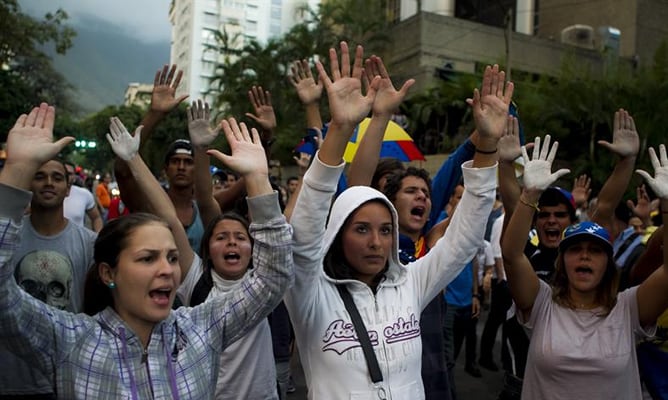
[100,358]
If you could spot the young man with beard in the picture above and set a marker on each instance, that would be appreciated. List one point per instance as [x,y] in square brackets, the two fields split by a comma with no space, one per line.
[50,264]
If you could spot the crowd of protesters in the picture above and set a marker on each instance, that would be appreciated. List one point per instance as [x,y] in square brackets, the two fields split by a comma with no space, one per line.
[201,287]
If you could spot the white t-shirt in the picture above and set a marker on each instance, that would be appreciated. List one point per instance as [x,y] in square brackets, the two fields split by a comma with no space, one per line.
[495,241]
[76,205]
[485,257]
[577,354]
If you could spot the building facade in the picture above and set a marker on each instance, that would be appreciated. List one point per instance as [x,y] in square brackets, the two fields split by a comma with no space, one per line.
[460,35]
[195,21]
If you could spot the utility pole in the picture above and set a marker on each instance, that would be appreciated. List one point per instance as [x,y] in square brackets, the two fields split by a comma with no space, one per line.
[508,33]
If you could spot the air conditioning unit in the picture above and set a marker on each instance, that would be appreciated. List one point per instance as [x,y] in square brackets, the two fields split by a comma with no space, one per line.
[579,36]
[608,39]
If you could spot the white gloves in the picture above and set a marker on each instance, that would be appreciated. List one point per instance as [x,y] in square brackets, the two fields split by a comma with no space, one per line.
[122,143]
[659,183]
[537,170]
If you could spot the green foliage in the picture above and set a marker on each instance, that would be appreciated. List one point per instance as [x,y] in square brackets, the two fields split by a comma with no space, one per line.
[575,107]
[95,127]
[268,65]
[26,74]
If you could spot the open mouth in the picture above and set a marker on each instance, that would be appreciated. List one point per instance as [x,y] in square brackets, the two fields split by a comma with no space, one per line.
[418,211]
[553,234]
[584,270]
[232,256]
[161,296]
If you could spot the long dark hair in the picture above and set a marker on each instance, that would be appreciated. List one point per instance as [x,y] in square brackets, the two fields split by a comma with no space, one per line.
[205,283]
[111,240]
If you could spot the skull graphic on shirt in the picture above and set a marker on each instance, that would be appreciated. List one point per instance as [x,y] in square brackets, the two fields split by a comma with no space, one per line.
[46,275]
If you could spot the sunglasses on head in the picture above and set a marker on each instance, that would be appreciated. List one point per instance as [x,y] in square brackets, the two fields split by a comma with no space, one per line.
[557,214]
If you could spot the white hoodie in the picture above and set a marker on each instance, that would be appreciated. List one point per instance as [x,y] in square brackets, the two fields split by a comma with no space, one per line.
[332,358]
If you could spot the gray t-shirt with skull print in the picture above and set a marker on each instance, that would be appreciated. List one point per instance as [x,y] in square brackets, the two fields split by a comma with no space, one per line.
[52,269]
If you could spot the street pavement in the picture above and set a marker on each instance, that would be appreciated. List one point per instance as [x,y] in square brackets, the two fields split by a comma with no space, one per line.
[468,387]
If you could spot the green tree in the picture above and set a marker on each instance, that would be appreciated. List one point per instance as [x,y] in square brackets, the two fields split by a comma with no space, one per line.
[26,73]
[240,67]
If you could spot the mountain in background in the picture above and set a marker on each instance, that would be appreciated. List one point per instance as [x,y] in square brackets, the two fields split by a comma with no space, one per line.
[104,59]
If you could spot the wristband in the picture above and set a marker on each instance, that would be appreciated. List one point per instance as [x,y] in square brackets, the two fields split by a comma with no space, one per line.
[477,296]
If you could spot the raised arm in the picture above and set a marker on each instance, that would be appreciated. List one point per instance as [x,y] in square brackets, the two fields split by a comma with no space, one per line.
[625,143]
[522,280]
[201,136]
[652,294]
[303,161]
[581,192]
[246,157]
[27,325]
[509,151]
[309,91]
[126,148]
[347,104]
[264,116]
[348,107]
[231,315]
[163,101]
[465,233]
[29,145]
[642,207]
[387,100]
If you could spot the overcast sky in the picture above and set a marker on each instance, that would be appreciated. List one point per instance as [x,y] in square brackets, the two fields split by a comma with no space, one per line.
[147,20]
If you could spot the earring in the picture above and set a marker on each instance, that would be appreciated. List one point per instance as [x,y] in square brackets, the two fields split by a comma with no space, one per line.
[111,285]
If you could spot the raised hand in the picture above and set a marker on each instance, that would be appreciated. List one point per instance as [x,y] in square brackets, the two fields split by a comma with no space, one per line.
[165,83]
[659,183]
[509,144]
[347,105]
[248,155]
[29,145]
[309,90]
[303,162]
[642,207]
[199,128]
[124,145]
[490,104]
[31,138]
[538,169]
[581,190]
[388,98]
[264,111]
[625,140]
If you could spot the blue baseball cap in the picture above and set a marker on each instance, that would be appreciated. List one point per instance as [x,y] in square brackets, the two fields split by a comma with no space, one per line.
[586,231]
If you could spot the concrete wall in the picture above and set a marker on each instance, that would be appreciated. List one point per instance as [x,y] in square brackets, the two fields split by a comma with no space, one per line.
[428,41]
[643,23]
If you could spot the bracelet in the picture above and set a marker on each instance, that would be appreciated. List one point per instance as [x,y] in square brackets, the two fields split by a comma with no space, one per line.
[477,150]
[477,296]
[531,205]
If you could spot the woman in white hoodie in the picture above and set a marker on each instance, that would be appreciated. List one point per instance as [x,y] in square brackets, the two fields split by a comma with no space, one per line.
[358,250]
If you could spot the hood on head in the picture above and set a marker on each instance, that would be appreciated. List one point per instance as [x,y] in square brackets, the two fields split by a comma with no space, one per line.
[346,204]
